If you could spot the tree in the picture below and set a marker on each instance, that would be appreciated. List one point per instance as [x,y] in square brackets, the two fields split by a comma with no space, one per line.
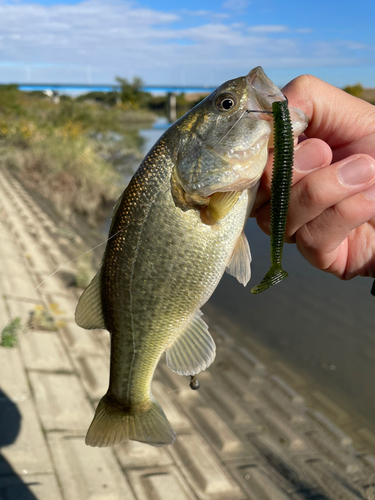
[131,93]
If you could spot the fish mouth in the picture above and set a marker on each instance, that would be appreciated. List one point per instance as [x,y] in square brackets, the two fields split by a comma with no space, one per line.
[264,90]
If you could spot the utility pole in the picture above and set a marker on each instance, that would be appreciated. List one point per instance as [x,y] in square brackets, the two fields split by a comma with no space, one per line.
[172,107]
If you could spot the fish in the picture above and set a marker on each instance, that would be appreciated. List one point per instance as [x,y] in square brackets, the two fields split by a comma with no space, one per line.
[175,230]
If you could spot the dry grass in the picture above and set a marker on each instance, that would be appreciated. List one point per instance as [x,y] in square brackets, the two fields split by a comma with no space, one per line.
[69,153]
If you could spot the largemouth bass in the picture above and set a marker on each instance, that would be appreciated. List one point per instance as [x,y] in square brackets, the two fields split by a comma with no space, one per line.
[175,230]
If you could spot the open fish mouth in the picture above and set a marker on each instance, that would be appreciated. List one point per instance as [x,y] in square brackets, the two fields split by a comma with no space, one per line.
[264,90]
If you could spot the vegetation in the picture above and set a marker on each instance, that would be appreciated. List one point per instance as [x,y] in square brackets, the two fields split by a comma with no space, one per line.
[41,318]
[356,90]
[107,98]
[10,333]
[185,102]
[131,94]
[72,152]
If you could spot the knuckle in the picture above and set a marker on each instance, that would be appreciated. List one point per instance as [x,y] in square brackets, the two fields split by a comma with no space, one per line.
[309,196]
[339,215]
[306,240]
[302,83]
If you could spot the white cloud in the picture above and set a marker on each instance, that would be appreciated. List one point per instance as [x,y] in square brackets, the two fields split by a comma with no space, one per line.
[59,43]
[272,28]
[203,13]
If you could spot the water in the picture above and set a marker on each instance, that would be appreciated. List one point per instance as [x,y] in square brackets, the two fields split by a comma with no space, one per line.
[315,331]
[311,325]
[151,135]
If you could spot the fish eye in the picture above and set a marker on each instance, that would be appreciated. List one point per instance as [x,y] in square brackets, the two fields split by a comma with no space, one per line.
[226,102]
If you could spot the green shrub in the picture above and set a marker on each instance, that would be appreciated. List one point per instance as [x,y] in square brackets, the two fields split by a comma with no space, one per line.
[355,90]
[10,333]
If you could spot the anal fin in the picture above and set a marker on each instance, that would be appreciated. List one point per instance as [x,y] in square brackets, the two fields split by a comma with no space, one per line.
[239,264]
[194,350]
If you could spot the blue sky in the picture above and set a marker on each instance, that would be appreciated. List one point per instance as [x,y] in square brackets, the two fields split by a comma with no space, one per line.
[186,43]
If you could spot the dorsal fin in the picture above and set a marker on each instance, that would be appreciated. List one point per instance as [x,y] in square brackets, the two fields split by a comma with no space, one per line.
[239,264]
[89,312]
[194,350]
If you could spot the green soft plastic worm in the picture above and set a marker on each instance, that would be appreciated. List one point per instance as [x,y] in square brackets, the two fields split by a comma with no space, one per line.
[282,173]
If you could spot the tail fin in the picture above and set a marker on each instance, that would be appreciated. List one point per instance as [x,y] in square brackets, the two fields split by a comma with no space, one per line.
[112,425]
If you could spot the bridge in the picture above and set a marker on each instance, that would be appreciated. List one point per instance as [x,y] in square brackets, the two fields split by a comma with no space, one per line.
[78,87]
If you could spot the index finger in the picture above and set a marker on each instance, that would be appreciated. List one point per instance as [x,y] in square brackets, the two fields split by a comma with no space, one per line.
[309,155]
[341,120]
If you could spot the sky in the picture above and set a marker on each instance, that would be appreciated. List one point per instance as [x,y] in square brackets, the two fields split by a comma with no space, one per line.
[171,42]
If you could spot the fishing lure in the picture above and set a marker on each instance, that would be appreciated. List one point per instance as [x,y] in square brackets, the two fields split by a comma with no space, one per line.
[281,184]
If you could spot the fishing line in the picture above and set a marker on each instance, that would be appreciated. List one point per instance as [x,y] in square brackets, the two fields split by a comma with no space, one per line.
[230,130]
[188,384]
[259,111]
[239,119]
[12,314]
[236,123]
[14,311]
[59,269]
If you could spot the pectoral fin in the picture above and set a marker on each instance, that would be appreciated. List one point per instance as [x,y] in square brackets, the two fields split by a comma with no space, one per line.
[219,206]
[239,264]
[194,350]
[89,312]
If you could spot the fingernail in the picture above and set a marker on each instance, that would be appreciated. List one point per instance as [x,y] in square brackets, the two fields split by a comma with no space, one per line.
[308,157]
[356,172]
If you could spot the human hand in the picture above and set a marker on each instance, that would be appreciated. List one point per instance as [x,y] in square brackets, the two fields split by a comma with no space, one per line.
[331,216]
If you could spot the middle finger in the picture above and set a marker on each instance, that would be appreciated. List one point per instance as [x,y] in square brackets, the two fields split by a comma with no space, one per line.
[309,155]
[324,188]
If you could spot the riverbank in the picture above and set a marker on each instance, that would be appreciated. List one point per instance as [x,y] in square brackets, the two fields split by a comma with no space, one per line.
[73,155]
